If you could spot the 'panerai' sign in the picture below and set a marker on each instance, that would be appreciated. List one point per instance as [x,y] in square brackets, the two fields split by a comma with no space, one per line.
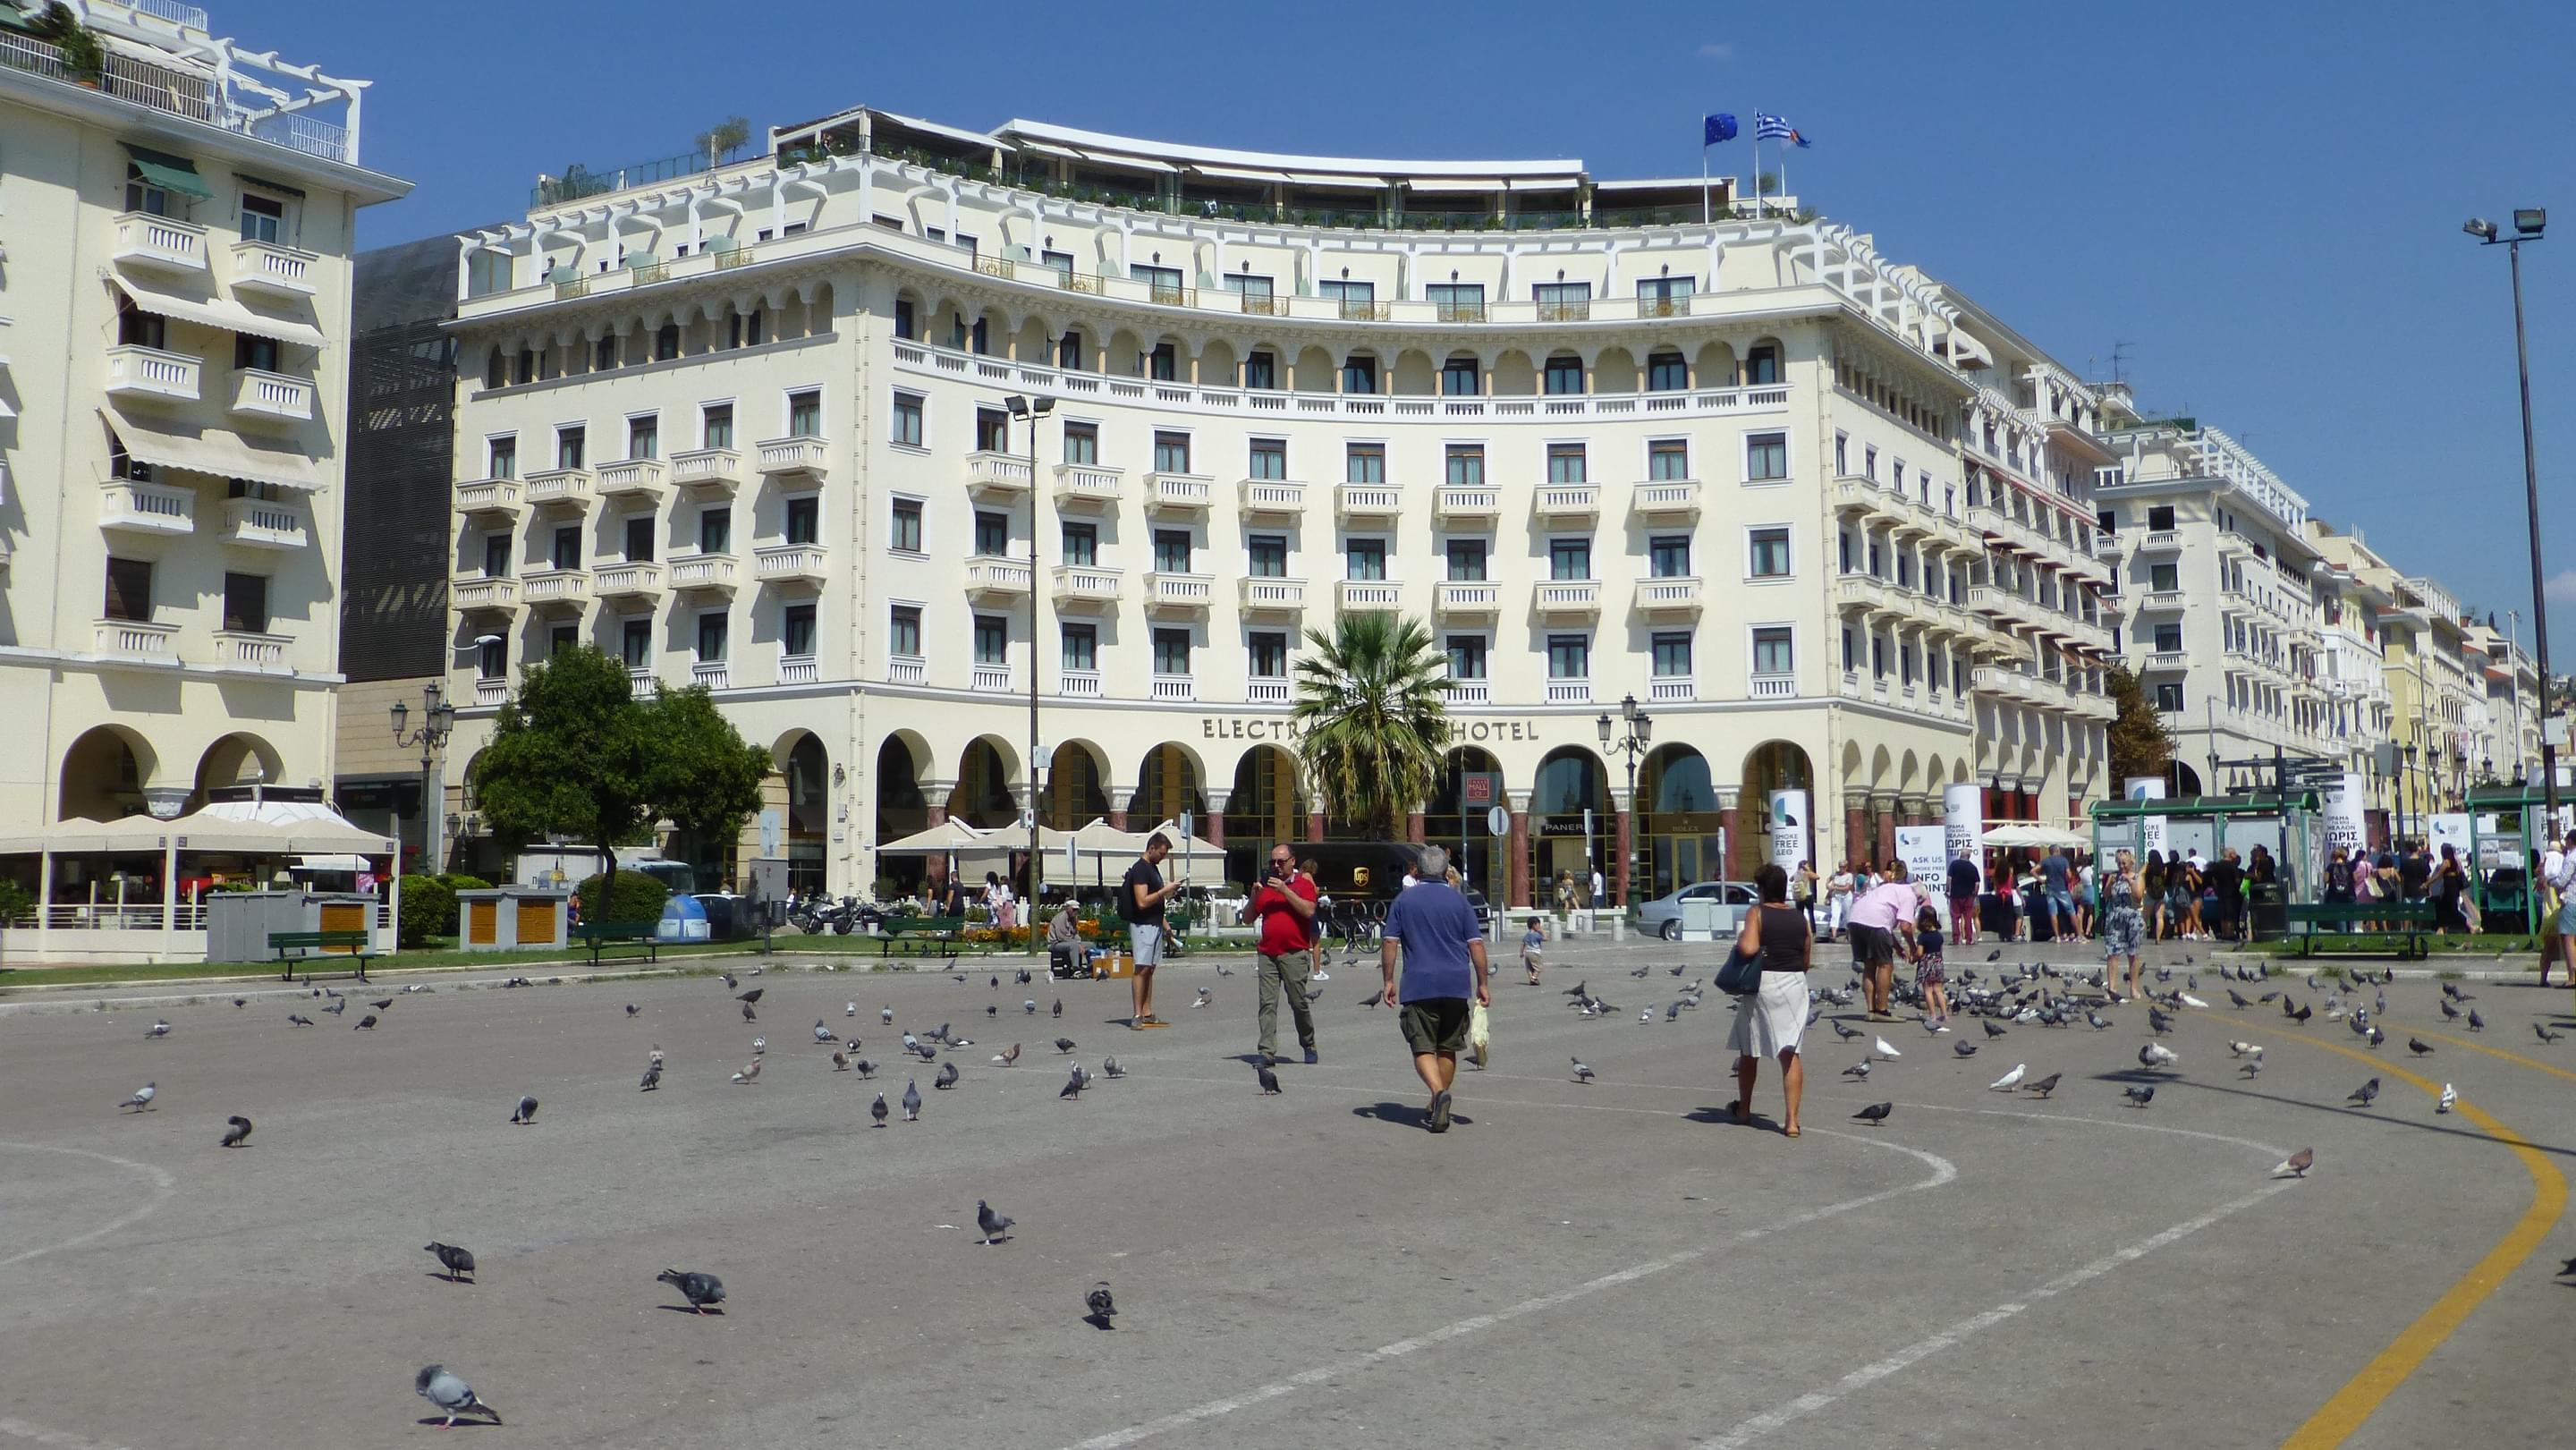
[1277,727]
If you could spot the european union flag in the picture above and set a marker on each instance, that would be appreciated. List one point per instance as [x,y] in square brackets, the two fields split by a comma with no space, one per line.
[1713,129]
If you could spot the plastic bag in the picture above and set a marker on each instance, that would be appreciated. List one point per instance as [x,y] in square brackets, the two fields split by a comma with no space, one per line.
[1480,1033]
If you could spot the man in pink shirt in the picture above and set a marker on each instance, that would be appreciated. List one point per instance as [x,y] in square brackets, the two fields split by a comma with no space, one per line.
[1877,918]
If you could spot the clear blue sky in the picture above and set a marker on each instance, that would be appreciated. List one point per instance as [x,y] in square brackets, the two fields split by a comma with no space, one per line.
[2262,202]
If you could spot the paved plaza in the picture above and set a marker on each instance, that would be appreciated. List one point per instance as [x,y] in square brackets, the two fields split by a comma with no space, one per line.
[1603,1265]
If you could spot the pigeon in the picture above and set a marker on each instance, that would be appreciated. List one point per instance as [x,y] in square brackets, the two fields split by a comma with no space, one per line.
[864,1068]
[751,996]
[750,1072]
[1673,1013]
[995,1227]
[2096,1020]
[2250,1067]
[237,1132]
[759,1045]
[1992,1030]
[1883,1050]
[947,1077]
[1023,978]
[366,1023]
[452,1395]
[1064,1044]
[2153,1055]
[2449,1096]
[2141,1094]
[141,1102]
[2365,1093]
[850,1010]
[727,979]
[1109,1068]
[1102,1307]
[632,1009]
[2238,998]
[1058,1009]
[1858,1071]
[1072,1085]
[2158,1023]
[2303,1014]
[298,1020]
[2376,1036]
[2047,1086]
[1995,955]
[458,1262]
[1874,1113]
[1268,1080]
[1582,1070]
[1008,1055]
[840,1060]
[823,1033]
[996,982]
[911,1102]
[2010,1080]
[1029,1006]
[2297,1164]
[241,1002]
[2545,1034]
[2244,1049]
[157,1029]
[1964,1049]
[1646,1016]
[2419,1047]
[652,1078]
[386,1003]
[526,1112]
[2189,1000]
[2476,1022]
[338,1006]
[991,1011]
[700,1290]
[748,1015]
[877,1110]
[1203,997]
[886,1016]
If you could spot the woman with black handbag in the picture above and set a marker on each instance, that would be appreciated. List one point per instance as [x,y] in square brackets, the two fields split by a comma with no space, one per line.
[1770,1019]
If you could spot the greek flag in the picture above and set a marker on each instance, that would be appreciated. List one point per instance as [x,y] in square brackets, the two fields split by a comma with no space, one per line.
[1713,129]
[1775,128]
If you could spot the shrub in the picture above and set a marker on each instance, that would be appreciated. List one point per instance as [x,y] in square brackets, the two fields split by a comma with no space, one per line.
[428,909]
[459,881]
[635,897]
[16,902]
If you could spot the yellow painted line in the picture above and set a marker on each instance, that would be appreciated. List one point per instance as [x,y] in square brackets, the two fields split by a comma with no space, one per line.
[2349,1407]
[2513,1057]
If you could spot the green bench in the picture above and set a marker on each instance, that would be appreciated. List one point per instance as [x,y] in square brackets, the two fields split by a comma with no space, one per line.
[2409,922]
[601,935]
[298,948]
[922,929]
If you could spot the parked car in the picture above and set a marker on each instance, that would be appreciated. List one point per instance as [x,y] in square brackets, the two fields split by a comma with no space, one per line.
[1663,915]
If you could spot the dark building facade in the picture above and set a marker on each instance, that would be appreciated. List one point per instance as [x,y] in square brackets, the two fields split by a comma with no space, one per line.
[402,380]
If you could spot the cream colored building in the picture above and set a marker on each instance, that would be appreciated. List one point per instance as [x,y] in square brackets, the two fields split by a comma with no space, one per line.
[751,427]
[173,316]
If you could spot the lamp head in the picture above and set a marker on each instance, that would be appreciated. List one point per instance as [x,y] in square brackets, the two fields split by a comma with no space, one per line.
[1604,724]
[402,712]
[2480,228]
[1042,405]
[2530,221]
[1644,727]
[1018,405]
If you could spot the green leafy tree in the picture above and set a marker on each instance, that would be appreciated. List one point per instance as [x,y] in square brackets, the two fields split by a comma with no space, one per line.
[570,754]
[2139,742]
[1372,717]
[703,776]
[724,138]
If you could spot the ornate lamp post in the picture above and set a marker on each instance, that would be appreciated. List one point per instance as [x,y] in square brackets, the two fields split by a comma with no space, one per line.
[437,718]
[1631,742]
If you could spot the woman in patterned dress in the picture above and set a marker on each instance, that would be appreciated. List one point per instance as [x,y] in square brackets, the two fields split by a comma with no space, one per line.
[2122,923]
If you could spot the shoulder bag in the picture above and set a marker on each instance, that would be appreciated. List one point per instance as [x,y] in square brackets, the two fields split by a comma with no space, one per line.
[1742,974]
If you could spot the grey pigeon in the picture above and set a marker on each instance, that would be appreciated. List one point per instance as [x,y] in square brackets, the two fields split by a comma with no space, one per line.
[947,1077]
[458,1262]
[1857,1071]
[2419,1047]
[2142,1094]
[1843,1032]
[157,1029]
[632,1009]
[1875,1113]
[995,1227]
[1103,1308]
[1064,1044]
[241,1001]
[2297,1164]
[526,1112]
[2045,1087]
[237,1132]
[1964,1049]
[1582,1070]
[823,1033]
[141,1102]
[299,1020]
[751,996]
[387,1002]
[338,1006]
[366,1023]
[700,1290]
[1058,1009]
[2476,1022]
[1992,1030]
[652,1078]
[2545,1034]
[451,1395]
[886,1015]
[877,1110]
[748,1015]
[1269,1080]
[911,1102]
[1109,1068]
[1030,1006]
[1073,1085]
[865,1068]
[2365,1094]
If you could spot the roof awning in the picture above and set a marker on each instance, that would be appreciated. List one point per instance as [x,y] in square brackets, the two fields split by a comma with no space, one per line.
[1346,183]
[1238,173]
[1048,148]
[219,312]
[1454,185]
[1544,183]
[220,454]
[168,172]
[1130,163]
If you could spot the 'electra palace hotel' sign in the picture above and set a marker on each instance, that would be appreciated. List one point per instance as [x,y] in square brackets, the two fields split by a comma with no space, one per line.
[1279,727]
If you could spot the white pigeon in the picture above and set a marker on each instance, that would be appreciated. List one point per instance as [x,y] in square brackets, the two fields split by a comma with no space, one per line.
[851,1010]
[157,1029]
[1884,1050]
[2450,1095]
[2010,1080]
[2156,1054]
[1203,998]
[1646,1016]
[2189,1000]
[2243,1049]
[759,1045]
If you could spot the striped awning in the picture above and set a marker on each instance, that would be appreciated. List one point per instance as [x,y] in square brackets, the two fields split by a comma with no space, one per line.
[219,312]
[218,453]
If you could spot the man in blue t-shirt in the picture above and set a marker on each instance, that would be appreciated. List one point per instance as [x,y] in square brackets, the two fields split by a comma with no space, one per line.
[2053,874]
[1444,965]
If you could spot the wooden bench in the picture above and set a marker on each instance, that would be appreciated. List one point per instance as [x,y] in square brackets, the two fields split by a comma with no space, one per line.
[296,948]
[2409,922]
[941,929]
[645,934]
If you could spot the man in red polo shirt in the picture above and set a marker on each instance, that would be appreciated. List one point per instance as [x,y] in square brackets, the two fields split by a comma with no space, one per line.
[1283,903]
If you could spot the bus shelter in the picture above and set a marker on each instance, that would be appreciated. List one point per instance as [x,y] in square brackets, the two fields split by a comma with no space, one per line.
[2504,830]
[2290,828]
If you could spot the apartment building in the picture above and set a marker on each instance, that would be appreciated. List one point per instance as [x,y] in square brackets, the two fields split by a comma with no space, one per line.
[173,377]
[761,426]
[2508,724]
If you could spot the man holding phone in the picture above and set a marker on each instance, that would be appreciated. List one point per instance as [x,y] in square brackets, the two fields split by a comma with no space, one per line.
[1142,895]
[1283,904]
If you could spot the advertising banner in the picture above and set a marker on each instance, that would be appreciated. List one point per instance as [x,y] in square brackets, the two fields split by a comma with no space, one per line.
[1963,824]
[1788,829]
[2345,800]
[1925,852]
[2152,830]
[2449,828]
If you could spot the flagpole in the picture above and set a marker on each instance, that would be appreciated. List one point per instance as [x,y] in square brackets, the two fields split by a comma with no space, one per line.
[1703,171]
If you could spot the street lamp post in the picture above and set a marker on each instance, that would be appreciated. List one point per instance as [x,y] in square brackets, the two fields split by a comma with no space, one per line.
[2528,224]
[437,718]
[1640,728]
[1030,410]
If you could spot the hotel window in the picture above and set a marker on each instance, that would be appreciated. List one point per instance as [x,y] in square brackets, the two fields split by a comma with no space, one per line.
[992,430]
[570,444]
[1569,656]
[644,436]
[1358,299]
[603,356]
[904,325]
[1269,656]
[977,338]
[666,342]
[1564,374]
[2168,639]
[1565,463]
[1766,457]
[639,538]
[1668,556]
[1905,568]
[138,328]
[1878,655]
[750,329]
[1843,543]
[1932,668]
[1269,555]
[1762,366]
[1080,647]
[803,514]
[1667,460]
[907,420]
[1842,455]
[246,603]
[1079,544]
[1364,559]
[715,425]
[1460,377]
[796,630]
[1164,282]
[492,659]
[1171,551]
[1171,652]
[1563,301]
[1905,664]
[1259,289]
[1260,371]
[805,415]
[1666,372]
[1171,452]
[713,629]
[1772,652]
[261,218]
[715,531]
[1364,463]
[1467,560]
[496,557]
[524,370]
[992,535]
[259,353]
[2169,697]
[1672,656]
[1664,296]
[1466,656]
[567,546]
[992,640]
[1851,651]
[1269,458]
[903,631]
[1467,465]
[561,639]
[1457,301]
[2160,517]
[503,456]
[1877,559]
[1062,262]
[1569,558]
[635,643]
[2163,578]
[906,531]
[1869,463]
[1163,363]
[1359,373]
[1082,443]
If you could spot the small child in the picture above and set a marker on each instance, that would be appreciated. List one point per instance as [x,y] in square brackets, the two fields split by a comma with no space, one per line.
[1531,942]
[1928,976]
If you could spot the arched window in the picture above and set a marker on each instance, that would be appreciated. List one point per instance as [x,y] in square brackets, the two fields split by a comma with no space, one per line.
[1666,373]
[1564,373]
[1459,376]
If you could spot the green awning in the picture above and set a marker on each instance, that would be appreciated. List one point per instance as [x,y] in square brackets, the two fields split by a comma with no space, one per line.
[168,172]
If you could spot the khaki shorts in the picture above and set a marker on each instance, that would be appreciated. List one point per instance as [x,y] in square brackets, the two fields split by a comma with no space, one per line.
[1434,1024]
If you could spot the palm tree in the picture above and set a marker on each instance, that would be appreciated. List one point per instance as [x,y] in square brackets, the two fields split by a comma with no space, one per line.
[1371,717]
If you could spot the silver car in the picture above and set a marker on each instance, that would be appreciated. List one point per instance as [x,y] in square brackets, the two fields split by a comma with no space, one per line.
[1663,915]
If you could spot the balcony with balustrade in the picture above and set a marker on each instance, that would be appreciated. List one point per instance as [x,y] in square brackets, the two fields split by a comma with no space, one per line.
[1078,684]
[1668,597]
[1366,596]
[136,641]
[1467,599]
[147,508]
[490,693]
[1567,598]
[1089,486]
[1468,503]
[711,469]
[1168,592]
[634,579]
[491,593]
[567,587]
[1175,689]
[1569,692]
[711,674]
[1178,493]
[1468,692]
[1260,594]
[1087,587]
[1671,689]
[798,564]
[560,488]
[791,458]
[1865,591]
[279,274]
[253,652]
[1368,501]
[991,474]
[1562,503]
[159,244]
[1272,498]
[907,670]
[260,394]
[491,497]
[635,478]
[139,374]
[991,679]
[1267,690]
[799,670]
[1770,687]
[263,523]
[1662,499]
[991,580]
[705,573]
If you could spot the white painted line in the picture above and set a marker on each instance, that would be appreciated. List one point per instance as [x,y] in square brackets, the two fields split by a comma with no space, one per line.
[1943,1171]
[163,1185]
[1807,1404]
[59,1439]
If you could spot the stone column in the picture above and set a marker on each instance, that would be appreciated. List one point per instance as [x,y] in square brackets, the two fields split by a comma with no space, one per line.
[1118,798]
[1213,826]
[1519,847]
[1855,825]
[1314,825]
[1624,832]
[936,793]
[1414,829]
[1883,812]
[1730,823]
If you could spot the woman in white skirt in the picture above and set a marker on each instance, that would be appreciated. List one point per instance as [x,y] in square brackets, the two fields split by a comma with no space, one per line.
[1768,1023]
